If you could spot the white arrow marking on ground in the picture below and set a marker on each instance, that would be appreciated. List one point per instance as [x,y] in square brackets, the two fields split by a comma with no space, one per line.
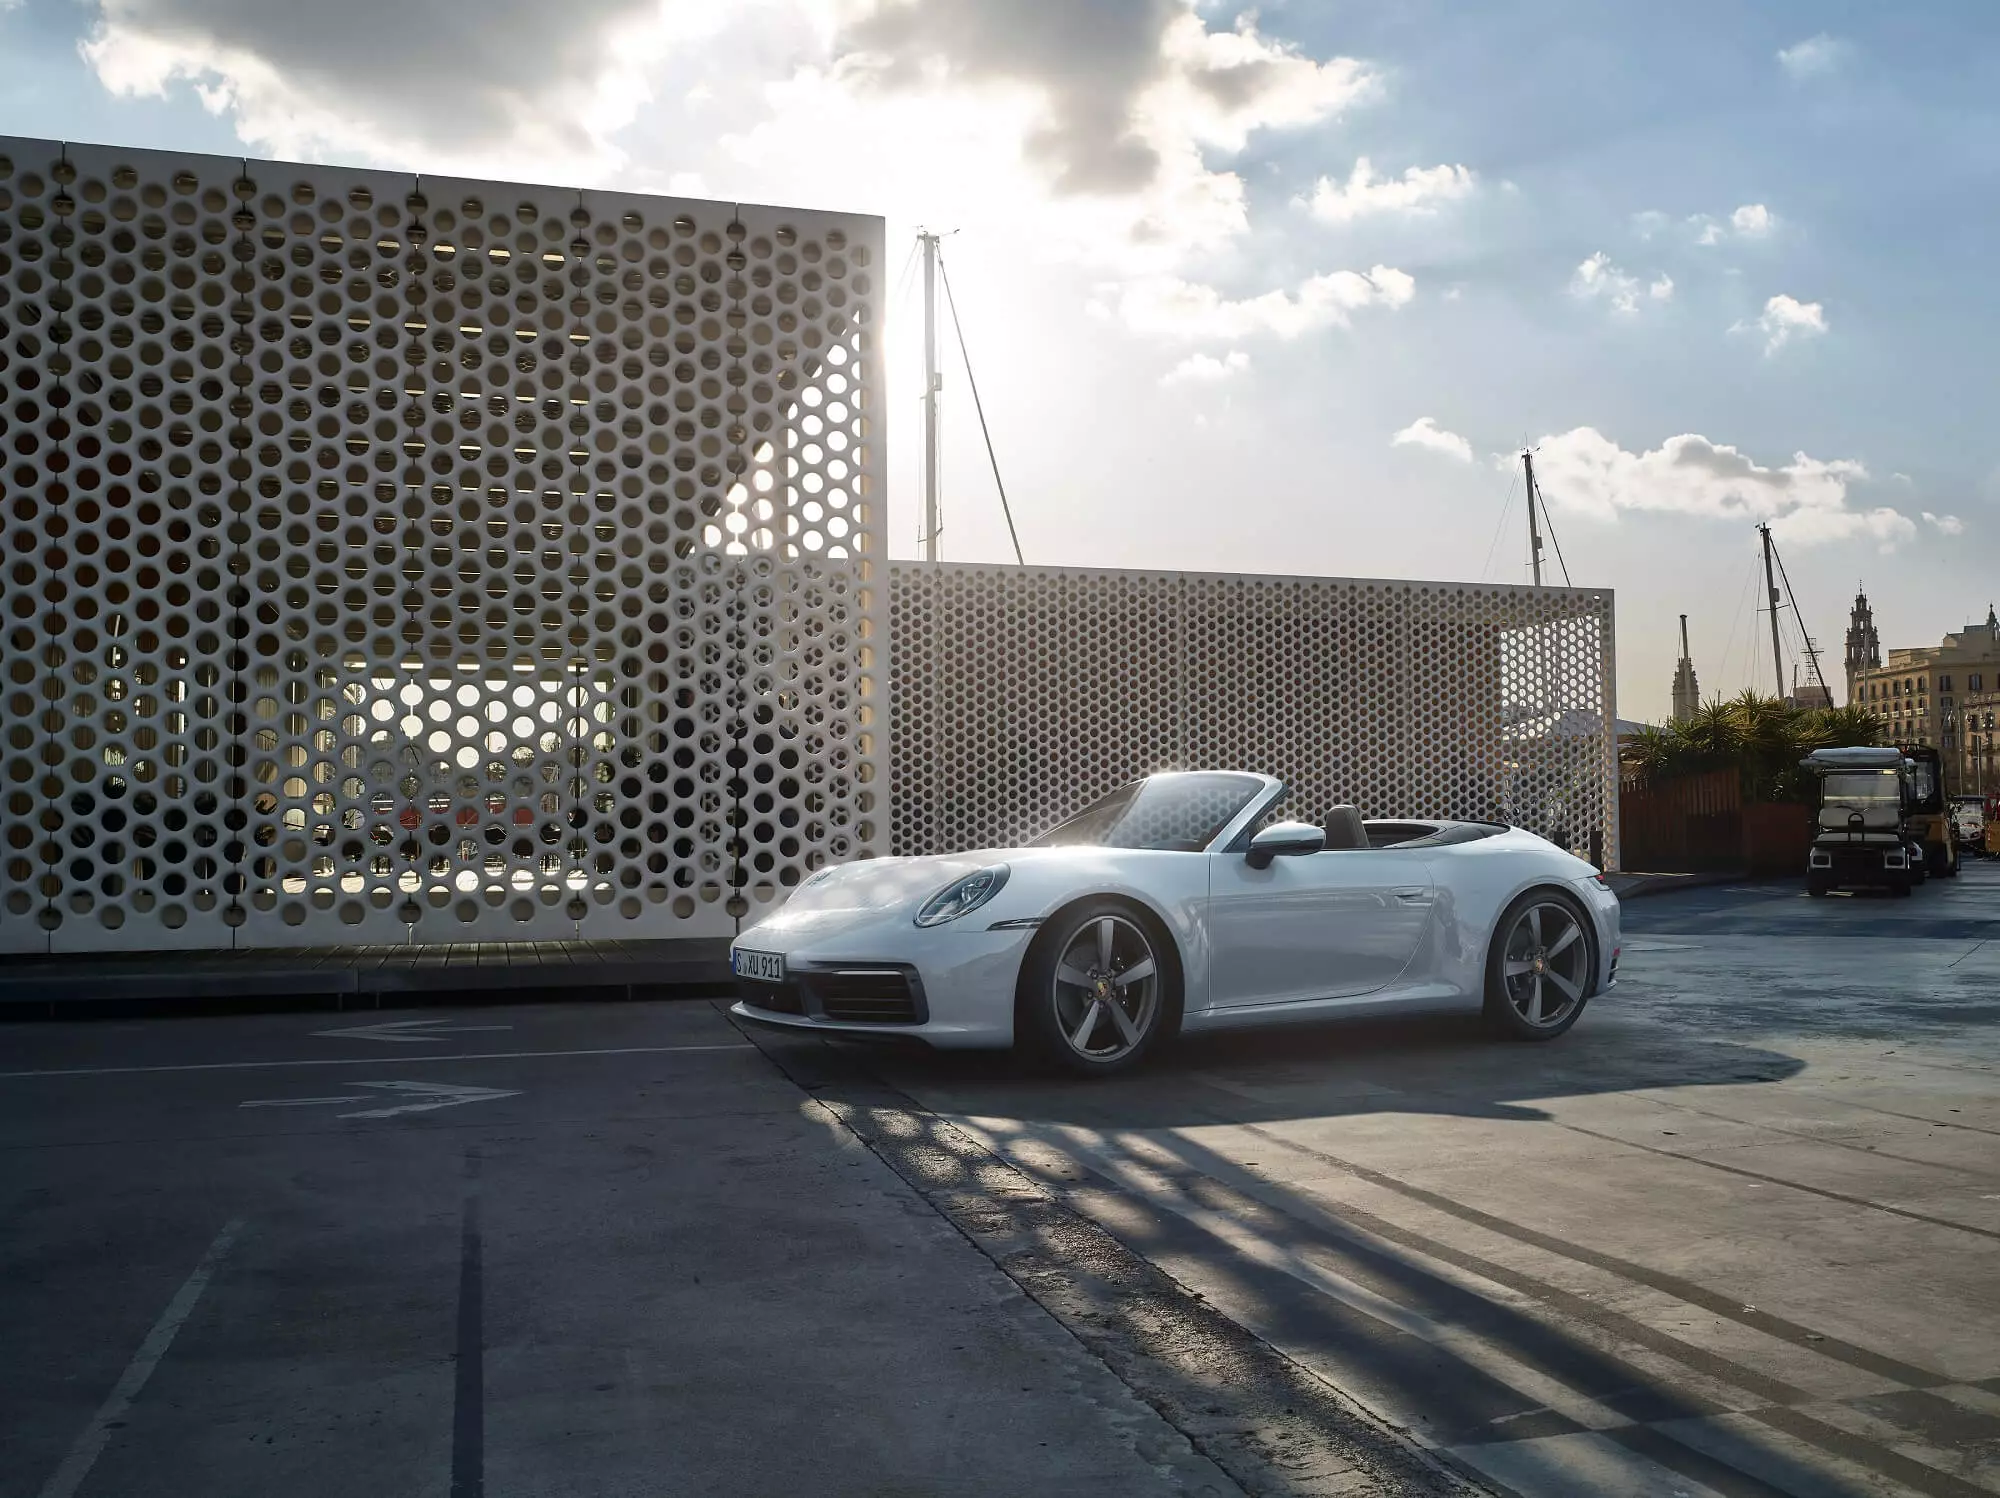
[406,1031]
[429,1096]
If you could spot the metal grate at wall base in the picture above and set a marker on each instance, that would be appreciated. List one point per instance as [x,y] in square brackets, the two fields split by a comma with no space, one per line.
[361,978]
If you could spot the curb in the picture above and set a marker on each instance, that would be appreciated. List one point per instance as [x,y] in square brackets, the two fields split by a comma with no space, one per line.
[1638,886]
[140,986]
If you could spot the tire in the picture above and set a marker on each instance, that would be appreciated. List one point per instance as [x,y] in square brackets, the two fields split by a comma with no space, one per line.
[1817,888]
[1900,890]
[1099,990]
[1547,940]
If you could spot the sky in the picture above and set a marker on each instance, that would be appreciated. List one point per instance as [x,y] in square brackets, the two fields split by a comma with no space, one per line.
[1279,289]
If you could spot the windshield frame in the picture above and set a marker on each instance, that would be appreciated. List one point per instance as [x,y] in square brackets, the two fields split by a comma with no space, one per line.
[1887,786]
[1268,792]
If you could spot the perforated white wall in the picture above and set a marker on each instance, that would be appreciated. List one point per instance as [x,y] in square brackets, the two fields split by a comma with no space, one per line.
[1018,695]
[461,559]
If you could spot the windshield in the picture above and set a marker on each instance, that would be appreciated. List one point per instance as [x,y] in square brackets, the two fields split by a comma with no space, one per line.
[1166,813]
[1871,785]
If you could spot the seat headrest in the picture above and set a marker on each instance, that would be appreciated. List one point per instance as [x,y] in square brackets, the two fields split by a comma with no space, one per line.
[1344,829]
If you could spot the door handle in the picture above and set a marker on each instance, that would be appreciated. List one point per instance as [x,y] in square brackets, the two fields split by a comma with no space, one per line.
[1413,892]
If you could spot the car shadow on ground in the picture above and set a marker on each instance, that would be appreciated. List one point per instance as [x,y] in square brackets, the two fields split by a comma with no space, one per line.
[1436,1064]
[1280,1249]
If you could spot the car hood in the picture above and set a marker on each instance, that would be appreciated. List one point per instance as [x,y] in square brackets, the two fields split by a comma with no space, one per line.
[874,885]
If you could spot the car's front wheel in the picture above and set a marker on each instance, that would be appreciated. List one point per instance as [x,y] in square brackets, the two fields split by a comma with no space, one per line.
[1097,991]
[1539,968]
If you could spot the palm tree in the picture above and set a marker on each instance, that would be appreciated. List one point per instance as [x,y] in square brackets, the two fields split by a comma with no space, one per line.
[1850,725]
[1651,753]
[1712,737]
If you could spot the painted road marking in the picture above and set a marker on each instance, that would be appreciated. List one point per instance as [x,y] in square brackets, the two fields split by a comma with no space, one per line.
[405,1031]
[430,1096]
[96,1435]
[126,1071]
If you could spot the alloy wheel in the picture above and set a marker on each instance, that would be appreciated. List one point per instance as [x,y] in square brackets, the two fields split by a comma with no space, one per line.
[1106,991]
[1545,964]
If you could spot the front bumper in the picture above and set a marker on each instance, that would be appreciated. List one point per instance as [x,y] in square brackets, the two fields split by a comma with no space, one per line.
[1859,863]
[878,977]
[1606,912]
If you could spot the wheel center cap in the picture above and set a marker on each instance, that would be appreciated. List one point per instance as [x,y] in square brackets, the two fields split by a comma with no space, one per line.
[1541,964]
[1102,988]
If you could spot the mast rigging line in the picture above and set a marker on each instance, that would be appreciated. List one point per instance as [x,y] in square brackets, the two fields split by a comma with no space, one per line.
[1550,522]
[1499,529]
[1736,621]
[1812,651]
[951,303]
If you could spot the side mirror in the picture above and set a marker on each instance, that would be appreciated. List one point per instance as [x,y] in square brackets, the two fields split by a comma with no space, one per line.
[1283,840]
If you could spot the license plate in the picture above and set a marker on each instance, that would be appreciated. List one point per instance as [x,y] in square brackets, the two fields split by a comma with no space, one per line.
[759,967]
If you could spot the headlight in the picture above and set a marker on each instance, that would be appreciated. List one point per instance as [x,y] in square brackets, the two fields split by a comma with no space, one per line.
[962,896]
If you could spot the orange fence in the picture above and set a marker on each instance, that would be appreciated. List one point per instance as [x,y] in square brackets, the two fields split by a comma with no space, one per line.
[1688,822]
[1696,822]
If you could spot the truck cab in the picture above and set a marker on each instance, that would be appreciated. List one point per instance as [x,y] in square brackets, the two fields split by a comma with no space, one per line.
[1860,831]
[1927,820]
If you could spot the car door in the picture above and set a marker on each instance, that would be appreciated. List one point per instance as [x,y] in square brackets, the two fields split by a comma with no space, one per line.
[1336,924]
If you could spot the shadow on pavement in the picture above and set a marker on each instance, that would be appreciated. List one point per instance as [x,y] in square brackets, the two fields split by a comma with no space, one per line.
[1386,1311]
[1444,1065]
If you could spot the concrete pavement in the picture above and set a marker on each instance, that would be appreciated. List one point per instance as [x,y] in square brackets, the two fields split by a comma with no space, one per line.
[1738,1233]
[615,1253]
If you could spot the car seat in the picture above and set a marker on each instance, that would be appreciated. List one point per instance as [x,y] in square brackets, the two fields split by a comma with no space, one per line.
[1344,829]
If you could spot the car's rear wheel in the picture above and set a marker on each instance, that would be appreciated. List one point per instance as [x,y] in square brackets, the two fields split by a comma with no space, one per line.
[1097,990]
[1538,970]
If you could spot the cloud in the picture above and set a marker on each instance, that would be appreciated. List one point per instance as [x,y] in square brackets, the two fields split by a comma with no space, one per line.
[1204,369]
[1648,222]
[1097,132]
[1806,500]
[1425,432]
[1123,85]
[1750,221]
[1815,57]
[1950,525]
[459,87]
[1785,318]
[1166,306]
[1105,129]
[1418,191]
[1597,279]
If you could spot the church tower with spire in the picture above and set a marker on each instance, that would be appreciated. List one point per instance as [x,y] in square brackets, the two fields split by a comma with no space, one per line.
[1864,646]
[1687,691]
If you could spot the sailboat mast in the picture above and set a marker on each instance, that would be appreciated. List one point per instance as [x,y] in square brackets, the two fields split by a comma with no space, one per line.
[931,383]
[1534,532]
[1771,590]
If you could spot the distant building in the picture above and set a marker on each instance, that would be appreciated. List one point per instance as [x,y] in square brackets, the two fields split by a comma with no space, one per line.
[1687,691]
[1921,693]
[1810,694]
[1864,647]
[1978,744]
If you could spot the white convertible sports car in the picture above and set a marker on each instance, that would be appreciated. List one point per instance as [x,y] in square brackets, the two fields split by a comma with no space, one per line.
[1163,908]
